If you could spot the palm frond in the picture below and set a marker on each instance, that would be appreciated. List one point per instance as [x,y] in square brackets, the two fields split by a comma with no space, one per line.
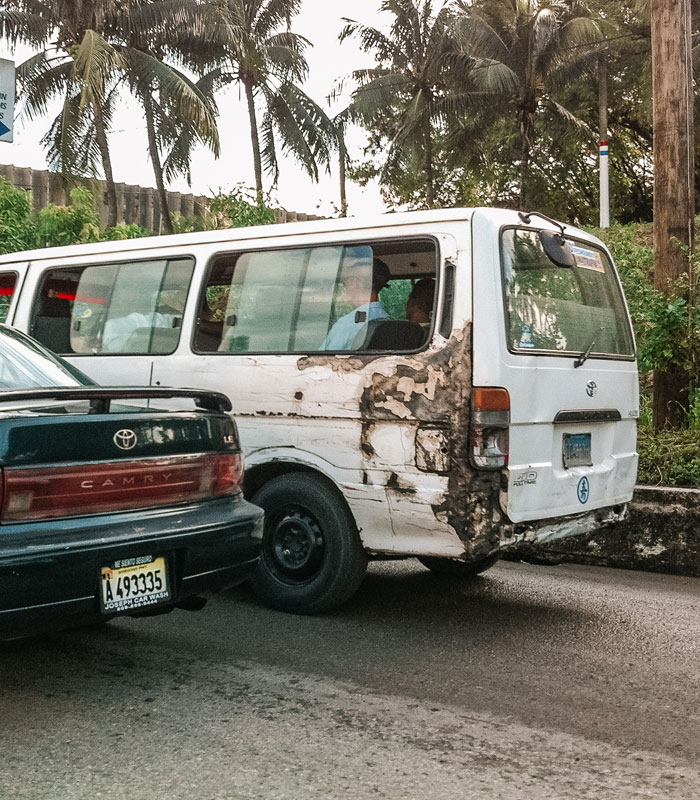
[42,78]
[94,62]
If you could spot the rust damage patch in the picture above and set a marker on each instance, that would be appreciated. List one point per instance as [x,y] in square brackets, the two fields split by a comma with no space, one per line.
[395,485]
[437,389]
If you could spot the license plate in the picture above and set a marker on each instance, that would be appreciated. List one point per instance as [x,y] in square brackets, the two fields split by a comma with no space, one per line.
[576,450]
[134,583]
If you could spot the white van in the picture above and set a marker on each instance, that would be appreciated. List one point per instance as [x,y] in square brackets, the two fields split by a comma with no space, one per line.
[439,384]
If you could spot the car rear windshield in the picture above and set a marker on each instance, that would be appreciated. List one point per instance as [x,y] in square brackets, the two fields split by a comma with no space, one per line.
[563,309]
[23,365]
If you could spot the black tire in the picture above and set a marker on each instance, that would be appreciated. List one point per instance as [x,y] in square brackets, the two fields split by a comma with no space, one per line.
[463,569]
[312,558]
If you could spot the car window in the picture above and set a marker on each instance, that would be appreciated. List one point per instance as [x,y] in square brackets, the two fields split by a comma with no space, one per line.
[8,281]
[24,366]
[323,298]
[133,308]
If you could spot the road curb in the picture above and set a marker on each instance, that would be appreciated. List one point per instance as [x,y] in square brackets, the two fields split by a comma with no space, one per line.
[661,534]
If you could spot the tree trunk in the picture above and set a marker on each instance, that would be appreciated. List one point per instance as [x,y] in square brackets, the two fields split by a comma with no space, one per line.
[110,188]
[165,217]
[255,141]
[524,161]
[342,156]
[429,175]
[674,199]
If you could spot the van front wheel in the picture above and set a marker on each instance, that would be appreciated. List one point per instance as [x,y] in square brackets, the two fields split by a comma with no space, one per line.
[312,558]
[465,569]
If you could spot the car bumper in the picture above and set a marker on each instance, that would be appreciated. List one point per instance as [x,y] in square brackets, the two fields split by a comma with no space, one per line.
[50,570]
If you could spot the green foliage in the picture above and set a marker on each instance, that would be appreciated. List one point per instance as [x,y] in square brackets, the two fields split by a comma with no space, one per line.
[74,224]
[669,457]
[668,334]
[667,327]
[128,230]
[234,210]
[15,212]
[394,297]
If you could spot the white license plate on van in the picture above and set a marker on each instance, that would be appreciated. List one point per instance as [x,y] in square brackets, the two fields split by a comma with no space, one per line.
[133,584]
[576,450]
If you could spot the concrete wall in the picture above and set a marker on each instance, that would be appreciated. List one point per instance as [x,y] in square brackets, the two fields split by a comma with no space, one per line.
[136,204]
[662,534]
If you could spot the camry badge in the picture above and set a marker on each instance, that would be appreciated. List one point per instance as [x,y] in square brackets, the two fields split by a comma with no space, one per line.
[591,388]
[125,439]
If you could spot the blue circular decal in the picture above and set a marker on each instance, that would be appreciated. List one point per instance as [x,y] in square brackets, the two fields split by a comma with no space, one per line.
[583,490]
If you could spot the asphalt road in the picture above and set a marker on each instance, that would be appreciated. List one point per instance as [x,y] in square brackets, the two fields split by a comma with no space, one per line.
[530,682]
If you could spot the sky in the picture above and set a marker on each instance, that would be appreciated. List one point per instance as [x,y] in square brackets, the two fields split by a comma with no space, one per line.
[320,21]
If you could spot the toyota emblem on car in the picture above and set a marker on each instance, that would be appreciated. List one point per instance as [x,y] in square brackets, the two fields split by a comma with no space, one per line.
[591,388]
[125,439]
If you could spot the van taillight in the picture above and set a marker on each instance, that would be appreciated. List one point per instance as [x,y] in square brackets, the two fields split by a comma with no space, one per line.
[80,489]
[490,421]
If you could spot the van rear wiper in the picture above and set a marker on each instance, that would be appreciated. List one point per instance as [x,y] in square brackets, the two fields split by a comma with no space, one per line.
[581,360]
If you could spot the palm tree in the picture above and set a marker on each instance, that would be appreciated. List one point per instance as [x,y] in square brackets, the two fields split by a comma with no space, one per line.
[251,51]
[177,114]
[79,65]
[97,48]
[413,88]
[522,50]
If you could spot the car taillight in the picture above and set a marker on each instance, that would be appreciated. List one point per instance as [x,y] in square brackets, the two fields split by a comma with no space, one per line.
[490,422]
[79,489]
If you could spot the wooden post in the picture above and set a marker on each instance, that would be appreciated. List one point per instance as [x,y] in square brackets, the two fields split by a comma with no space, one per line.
[673,177]
[40,179]
[187,205]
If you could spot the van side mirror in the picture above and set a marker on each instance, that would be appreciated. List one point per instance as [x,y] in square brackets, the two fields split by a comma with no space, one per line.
[557,249]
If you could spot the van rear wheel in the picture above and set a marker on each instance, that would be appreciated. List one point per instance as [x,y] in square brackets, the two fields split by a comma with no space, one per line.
[312,559]
[465,569]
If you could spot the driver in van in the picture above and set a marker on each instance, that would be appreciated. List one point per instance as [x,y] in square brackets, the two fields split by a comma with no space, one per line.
[344,332]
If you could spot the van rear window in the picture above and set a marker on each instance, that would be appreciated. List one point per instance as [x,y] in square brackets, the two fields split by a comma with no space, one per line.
[551,308]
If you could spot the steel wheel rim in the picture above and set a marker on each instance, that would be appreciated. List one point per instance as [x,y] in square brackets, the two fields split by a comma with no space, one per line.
[295,544]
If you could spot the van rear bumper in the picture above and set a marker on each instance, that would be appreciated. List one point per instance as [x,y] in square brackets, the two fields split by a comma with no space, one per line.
[548,530]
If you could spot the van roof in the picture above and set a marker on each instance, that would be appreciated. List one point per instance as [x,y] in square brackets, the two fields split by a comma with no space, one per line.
[278,230]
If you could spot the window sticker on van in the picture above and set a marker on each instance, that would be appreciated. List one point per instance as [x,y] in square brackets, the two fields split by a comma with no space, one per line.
[587,259]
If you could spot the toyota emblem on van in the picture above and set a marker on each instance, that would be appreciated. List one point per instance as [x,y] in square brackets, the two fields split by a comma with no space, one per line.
[591,388]
[125,439]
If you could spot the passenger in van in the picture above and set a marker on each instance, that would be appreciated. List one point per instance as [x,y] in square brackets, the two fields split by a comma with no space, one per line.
[346,329]
[419,305]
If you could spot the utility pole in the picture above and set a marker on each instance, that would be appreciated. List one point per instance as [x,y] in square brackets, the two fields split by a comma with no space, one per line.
[603,133]
[674,172]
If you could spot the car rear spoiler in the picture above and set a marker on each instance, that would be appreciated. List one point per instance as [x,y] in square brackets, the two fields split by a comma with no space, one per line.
[101,397]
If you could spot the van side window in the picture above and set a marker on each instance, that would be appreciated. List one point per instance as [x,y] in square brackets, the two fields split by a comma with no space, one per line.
[113,308]
[326,298]
[8,281]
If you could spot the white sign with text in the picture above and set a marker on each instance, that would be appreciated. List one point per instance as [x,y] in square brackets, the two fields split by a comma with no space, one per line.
[7,99]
